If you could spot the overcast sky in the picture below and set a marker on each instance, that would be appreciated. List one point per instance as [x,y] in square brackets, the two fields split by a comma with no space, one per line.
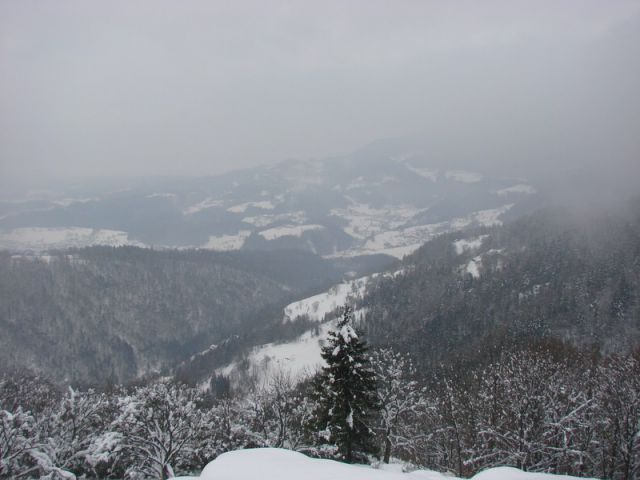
[186,87]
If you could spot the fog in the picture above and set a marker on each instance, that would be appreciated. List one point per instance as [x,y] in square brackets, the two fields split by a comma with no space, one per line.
[198,87]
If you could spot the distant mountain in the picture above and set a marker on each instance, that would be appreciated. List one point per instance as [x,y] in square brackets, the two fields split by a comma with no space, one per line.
[381,199]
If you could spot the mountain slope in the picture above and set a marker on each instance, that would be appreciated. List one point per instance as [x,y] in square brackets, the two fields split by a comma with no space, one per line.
[114,314]
[551,274]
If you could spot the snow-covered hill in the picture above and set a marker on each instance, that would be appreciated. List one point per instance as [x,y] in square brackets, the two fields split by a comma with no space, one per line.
[369,202]
[317,307]
[279,464]
[301,356]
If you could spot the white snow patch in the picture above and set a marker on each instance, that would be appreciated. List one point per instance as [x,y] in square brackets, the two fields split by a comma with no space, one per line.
[411,237]
[399,242]
[427,173]
[251,464]
[362,182]
[161,195]
[65,202]
[475,264]
[347,333]
[470,244]
[521,188]
[49,258]
[510,473]
[241,208]
[315,308]
[350,419]
[38,239]
[297,358]
[491,217]
[365,221]
[463,176]
[473,267]
[288,231]
[225,243]
[206,203]
[260,221]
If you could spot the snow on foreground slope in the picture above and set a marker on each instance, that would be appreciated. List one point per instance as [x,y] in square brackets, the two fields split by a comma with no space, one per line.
[318,306]
[279,464]
[300,357]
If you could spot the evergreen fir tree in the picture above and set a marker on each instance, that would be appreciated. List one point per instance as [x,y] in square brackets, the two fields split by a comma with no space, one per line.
[346,392]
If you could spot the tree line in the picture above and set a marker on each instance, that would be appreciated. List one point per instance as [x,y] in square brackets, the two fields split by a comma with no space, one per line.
[548,408]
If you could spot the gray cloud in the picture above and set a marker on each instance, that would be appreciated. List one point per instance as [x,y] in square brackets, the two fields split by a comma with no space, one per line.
[199,87]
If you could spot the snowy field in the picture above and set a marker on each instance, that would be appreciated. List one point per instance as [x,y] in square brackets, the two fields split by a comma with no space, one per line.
[427,173]
[242,207]
[296,218]
[225,243]
[297,359]
[203,205]
[301,356]
[399,241]
[521,188]
[316,307]
[288,231]
[470,244]
[278,464]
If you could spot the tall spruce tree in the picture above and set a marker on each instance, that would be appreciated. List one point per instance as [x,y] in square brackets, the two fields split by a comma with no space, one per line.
[346,392]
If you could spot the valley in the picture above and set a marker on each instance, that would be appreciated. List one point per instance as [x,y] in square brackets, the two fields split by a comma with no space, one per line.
[351,206]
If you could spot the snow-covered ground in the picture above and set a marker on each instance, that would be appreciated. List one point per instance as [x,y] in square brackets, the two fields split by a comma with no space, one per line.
[259,221]
[252,464]
[301,356]
[521,188]
[296,358]
[387,230]
[427,173]
[474,267]
[470,244]
[224,243]
[49,258]
[365,221]
[318,306]
[242,207]
[203,205]
[39,239]
[162,195]
[288,231]
[65,202]
[399,241]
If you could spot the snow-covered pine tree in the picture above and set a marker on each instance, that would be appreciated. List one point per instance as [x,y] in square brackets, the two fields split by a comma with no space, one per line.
[346,392]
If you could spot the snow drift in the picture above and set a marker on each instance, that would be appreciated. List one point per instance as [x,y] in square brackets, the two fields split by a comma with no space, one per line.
[275,463]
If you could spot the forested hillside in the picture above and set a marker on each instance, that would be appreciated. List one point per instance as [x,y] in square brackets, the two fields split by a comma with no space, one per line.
[559,274]
[112,314]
